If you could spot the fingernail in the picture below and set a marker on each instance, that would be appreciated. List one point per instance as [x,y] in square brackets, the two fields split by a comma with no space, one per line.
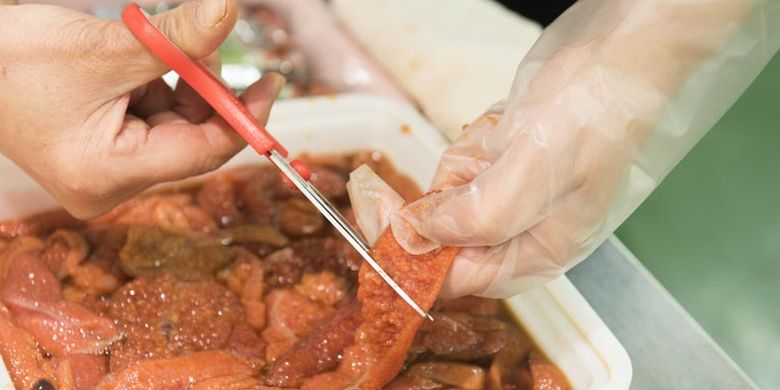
[211,12]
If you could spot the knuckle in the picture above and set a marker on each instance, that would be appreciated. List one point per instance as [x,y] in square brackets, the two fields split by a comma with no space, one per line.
[490,225]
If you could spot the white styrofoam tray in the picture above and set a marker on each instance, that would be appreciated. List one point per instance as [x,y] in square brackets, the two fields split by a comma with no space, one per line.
[557,317]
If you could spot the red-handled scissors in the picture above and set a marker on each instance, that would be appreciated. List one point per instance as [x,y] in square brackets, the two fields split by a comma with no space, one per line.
[227,105]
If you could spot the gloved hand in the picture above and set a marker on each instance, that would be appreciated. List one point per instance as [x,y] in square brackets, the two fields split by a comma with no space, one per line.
[84,112]
[612,95]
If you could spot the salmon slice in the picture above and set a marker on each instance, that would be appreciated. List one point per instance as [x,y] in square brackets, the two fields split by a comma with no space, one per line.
[32,293]
[200,370]
[21,356]
[319,351]
[389,324]
[290,316]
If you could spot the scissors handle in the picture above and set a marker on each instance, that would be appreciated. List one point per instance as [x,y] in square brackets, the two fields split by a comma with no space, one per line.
[223,100]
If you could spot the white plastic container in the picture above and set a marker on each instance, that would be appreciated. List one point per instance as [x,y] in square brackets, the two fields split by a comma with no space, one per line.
[558,318]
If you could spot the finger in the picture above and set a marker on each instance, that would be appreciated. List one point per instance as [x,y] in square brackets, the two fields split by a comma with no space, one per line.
[406,236]
[188,103]
[150,99]
[196,27]
[471,272]
[565,237]
[259,97]
[503,201]
[169,147]
[470,154]
[516,266]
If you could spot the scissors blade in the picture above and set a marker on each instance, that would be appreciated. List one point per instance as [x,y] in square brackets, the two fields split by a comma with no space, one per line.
[332,214]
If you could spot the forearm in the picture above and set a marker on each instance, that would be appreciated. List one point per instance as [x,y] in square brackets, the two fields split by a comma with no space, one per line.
[7,2]
[681,72]
[641,86]
[656,65]
[720,67]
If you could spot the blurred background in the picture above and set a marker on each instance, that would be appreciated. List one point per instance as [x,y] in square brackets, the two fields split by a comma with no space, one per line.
[711,232]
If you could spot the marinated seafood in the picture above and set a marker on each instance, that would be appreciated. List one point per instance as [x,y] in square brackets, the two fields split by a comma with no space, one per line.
[238,283]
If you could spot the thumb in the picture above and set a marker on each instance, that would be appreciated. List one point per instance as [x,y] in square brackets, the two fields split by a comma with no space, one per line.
[375,205]
[195,27]
[501,202]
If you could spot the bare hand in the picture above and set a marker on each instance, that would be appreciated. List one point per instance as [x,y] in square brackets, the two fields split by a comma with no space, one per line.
[83,109]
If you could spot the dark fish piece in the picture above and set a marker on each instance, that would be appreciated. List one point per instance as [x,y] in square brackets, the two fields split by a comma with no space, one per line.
[253,234]
[462,376]
[461,336]
[218,198]
[318,352]
[413,383]
[509,368]
[329,253]
[153,251]
[299,218]
[388,324]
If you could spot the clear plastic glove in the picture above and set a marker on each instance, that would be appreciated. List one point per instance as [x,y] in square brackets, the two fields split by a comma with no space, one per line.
[610,98]
[84,112]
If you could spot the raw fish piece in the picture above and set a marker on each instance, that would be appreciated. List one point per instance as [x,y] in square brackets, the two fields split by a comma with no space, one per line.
[319,351]
[389,324]
[217,370]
